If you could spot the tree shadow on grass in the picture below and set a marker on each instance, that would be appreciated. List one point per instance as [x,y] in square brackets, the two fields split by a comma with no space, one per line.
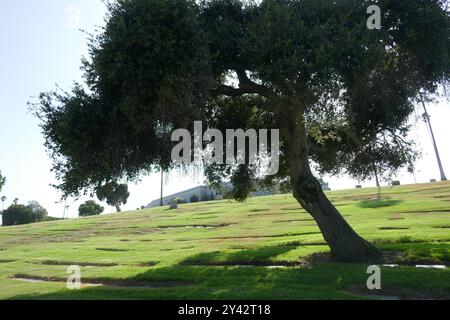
[325,281]
[258,257]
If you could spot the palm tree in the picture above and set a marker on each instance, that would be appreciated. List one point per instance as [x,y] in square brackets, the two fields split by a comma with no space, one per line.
[3,201]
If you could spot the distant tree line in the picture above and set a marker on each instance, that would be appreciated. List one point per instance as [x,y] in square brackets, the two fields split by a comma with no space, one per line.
[18,214]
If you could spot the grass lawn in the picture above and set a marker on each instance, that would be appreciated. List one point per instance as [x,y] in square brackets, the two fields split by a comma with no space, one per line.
[266,248]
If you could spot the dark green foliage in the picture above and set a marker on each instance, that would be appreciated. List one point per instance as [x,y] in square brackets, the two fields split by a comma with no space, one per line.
[90,208]
[194,198]
[17,214]
[159,65]
[148,73]
[114,194]
[39,213]
[242,181]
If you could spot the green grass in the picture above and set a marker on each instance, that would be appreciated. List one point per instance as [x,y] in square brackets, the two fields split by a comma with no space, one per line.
[228,250]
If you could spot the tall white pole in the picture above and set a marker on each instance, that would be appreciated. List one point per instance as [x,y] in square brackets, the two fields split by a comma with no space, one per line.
[161,202]
[428,122]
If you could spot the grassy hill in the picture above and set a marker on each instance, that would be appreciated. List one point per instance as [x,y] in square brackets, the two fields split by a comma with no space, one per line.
[266,248]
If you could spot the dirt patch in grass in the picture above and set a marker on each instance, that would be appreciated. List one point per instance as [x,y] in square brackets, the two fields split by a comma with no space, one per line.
[393,228]
[393,257]
[303,244]
[129,283]
[307,262]
[442,197]
[425,190]
[243,263]
[424,262]
[392,293]
[343,204]
[122,228]
[253,237]
[363,197]
[205,218]
[269,214]
[426,211]
[317,258]
[112,249]
[401,258]
[75,263]
[295,220]
[242,248]
[146,264]
[441,227]
[199,226]
[7,261]
[407,239]
[294,209]
[212,213]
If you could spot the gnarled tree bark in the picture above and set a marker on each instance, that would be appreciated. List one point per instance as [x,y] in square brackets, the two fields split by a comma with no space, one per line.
[345,244]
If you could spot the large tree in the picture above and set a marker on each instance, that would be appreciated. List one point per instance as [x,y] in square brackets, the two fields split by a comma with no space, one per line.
[90,208]
[340,93]
[17,214]
[114,194]
[39,212]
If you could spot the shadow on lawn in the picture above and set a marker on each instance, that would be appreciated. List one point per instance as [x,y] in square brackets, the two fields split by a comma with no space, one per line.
[326,281]
[258,257]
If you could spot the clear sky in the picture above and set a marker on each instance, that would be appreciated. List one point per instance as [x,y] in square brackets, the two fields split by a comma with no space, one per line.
[41,46]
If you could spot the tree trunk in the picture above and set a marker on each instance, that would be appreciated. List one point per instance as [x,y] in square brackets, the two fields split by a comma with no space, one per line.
[118,208]
[375,171]
[345,244]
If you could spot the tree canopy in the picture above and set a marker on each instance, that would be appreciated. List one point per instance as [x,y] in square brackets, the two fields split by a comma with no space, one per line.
[160,65]
[90,208]
[114,194]
[39,212]
[18,214]
[340,93]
